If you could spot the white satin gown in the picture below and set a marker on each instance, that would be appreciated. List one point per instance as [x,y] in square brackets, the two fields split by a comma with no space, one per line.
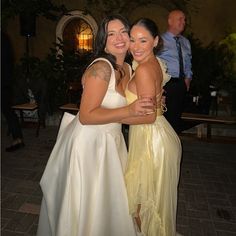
[83,185]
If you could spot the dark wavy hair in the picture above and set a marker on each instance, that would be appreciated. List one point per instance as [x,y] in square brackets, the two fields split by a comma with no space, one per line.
[151,26]
[101,38]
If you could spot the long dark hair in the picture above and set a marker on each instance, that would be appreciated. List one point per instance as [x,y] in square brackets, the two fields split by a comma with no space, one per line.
[101,38]
[151,26]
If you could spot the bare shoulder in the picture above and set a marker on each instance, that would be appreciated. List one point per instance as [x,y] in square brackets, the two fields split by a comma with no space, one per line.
[148,71]
[145,68]
[100,70]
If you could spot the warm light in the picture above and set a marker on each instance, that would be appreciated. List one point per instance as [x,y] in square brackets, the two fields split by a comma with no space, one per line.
[84,41]
[78,35]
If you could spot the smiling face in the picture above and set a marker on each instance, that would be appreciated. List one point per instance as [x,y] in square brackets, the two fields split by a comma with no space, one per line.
[118,40]
[141,43]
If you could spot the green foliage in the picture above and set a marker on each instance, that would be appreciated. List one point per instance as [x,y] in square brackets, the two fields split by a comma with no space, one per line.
[212,65]
[56,70]
[228,47]
[230,42]
[64,67]
[124,7]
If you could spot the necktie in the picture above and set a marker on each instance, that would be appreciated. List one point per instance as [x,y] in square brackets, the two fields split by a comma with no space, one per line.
[181,63]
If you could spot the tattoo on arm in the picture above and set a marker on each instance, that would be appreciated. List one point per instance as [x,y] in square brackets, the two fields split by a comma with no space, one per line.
[100,70]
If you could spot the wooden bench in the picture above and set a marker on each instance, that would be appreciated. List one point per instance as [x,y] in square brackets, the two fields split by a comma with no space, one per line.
[27,107]
[70,107]
[207,120]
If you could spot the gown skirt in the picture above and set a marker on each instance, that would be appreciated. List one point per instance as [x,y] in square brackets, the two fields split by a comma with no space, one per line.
[83,184]
[153,173]
[83,188]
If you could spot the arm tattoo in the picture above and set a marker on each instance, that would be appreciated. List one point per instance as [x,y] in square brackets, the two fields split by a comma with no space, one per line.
[101,70]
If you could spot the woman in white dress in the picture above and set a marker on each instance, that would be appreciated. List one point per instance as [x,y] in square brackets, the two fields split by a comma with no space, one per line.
[83,185]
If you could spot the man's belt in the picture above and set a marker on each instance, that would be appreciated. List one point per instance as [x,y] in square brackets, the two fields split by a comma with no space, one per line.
[175,79]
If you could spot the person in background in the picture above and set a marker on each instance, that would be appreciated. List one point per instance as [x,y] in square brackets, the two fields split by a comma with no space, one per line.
[154,154]
[83,184]
[176,53]
[7,64]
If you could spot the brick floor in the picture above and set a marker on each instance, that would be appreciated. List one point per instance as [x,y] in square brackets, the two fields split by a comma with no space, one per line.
[207,188]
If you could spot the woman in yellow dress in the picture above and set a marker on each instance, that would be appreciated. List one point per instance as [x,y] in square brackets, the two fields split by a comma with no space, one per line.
[154,157]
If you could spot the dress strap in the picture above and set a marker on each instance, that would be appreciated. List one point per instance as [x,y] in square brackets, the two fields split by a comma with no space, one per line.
[130,70]
[159,101]
[131,77]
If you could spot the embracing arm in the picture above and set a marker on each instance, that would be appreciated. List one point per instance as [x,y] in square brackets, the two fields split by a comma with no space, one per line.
[147,84]
[95,82]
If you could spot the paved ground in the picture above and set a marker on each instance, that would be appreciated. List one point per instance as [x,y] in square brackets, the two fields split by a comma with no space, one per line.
[207,190]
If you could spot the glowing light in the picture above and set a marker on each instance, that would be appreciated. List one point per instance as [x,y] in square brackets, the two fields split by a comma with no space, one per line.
[84,41]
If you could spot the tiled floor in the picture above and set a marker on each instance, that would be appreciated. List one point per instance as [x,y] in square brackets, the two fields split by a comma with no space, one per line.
[207,190]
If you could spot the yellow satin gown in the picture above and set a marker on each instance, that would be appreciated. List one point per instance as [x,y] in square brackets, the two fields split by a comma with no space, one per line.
[152,174]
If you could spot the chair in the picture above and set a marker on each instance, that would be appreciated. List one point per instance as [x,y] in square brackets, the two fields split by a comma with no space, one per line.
[74,92]
[31,95]
[28,107]
[225,103]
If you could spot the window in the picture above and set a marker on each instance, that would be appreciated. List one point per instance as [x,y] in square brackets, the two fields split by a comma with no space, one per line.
[78,36]
[77,31]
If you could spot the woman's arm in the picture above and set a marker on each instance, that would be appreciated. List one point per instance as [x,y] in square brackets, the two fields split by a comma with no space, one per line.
[95,81]
[147,81]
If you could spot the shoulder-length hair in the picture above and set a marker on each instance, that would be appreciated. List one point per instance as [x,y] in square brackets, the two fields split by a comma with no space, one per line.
[101,38]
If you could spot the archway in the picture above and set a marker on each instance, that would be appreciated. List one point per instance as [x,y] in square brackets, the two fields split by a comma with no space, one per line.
[77,31]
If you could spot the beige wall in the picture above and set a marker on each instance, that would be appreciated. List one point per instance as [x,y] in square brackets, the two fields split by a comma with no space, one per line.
[38,45]
[214,19]
[211,22]
[45,33]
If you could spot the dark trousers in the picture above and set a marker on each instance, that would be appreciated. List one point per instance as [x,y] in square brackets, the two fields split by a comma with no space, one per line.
[175,97]
[10,115]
